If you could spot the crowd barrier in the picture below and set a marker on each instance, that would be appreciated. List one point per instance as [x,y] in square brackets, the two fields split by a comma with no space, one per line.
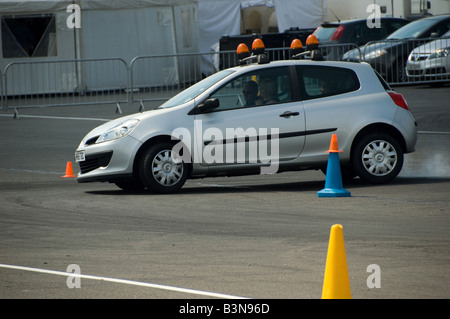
[65,82]
[158,78]
[407,61]
[150,80]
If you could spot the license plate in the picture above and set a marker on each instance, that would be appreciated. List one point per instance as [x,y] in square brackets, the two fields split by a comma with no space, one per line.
[80,156]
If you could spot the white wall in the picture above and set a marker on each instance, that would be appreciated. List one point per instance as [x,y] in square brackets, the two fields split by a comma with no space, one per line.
[356,9]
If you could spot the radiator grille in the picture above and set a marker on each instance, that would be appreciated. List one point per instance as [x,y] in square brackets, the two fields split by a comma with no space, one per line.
[95,161]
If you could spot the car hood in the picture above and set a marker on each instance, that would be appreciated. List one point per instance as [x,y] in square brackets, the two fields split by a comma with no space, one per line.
[432,46]
[155,116]
[355,54]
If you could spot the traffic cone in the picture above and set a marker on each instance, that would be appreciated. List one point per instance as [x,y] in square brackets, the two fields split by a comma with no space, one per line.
[69,170]
[333,181]
[336,284]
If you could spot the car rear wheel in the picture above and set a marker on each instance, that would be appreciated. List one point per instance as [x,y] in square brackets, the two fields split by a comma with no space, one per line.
[377,158]
[162,170]
[347,172]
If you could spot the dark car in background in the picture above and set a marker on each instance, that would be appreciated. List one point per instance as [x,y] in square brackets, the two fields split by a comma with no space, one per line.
[389,57]
[353,32]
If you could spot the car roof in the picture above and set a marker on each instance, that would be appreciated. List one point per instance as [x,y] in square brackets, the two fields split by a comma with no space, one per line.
[255,66]
[350,21]
[437,17]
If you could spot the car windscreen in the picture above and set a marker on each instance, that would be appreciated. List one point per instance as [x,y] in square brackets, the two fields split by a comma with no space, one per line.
[413,29]
[324,32]
[193,91]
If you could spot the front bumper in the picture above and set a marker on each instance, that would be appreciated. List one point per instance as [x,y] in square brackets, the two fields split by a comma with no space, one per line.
[427,69]
[108,161]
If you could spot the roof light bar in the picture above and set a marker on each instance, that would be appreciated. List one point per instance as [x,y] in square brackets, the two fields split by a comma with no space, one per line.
[312,49]
[258,53]
[296,47]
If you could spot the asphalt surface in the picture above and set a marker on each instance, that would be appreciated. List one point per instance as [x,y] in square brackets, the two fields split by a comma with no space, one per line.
[256,237]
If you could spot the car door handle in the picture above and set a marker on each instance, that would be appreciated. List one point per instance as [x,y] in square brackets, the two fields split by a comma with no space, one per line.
[289,114]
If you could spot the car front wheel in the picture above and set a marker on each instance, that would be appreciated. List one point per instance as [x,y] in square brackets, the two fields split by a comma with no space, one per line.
[162,170]
[377,158]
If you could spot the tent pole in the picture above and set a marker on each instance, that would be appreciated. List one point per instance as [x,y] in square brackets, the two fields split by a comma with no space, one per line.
[79,75]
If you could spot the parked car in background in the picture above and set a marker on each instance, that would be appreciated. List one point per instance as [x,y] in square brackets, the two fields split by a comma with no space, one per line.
[389,56]
[355,32]
[430,61]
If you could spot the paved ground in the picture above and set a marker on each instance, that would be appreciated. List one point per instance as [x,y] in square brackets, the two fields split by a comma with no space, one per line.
[257,237]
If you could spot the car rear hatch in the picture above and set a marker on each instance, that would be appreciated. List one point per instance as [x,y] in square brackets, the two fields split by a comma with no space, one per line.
[329,32]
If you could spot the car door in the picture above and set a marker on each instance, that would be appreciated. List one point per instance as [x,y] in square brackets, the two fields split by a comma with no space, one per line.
[329,105]
[247,131]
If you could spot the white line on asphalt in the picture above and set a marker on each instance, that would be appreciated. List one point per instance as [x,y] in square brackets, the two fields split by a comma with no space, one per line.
[60,117]
[124,281]
[215,185]
[433,132]
[30,171]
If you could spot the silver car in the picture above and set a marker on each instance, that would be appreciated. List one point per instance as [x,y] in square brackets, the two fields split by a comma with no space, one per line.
[258,118]
[430,61]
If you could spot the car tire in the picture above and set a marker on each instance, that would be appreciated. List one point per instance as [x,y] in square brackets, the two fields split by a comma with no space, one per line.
[377,158]
[162,170]
[347,172]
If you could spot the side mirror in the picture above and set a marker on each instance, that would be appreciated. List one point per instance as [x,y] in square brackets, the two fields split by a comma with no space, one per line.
[434,35]
[208,106]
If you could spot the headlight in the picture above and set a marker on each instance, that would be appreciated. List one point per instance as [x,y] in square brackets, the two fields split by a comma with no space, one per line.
[118,131]
[440,53]
[351,56]
[375,54]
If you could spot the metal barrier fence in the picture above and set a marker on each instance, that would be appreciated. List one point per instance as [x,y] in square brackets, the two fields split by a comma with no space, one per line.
[2,96]
[154,79]
[158,78]
[177,72]
[407,61]
[65,82]
[335,52]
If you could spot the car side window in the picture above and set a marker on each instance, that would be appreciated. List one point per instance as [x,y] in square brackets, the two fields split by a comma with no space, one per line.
[439,30]
[394,25]
[321,81]
[255,88]
[373,34]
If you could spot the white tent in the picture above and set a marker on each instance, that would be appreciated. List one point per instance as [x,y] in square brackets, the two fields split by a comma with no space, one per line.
[125,29]
[218,18]
[109,29]
[223,17]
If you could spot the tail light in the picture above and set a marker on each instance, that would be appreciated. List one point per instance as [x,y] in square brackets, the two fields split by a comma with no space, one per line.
[337,34]
[398,99]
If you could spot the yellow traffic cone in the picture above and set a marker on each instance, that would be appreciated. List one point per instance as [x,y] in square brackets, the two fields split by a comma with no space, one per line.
[336,283]
[69,170]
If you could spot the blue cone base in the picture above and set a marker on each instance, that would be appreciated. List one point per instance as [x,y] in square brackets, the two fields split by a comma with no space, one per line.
[333,192]
[333,181]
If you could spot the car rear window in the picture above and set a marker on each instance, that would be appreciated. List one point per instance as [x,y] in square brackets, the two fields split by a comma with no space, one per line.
[322,81]
[382,81]
[324,32]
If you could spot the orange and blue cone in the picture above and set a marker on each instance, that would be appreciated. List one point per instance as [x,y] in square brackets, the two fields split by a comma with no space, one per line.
[333,181]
